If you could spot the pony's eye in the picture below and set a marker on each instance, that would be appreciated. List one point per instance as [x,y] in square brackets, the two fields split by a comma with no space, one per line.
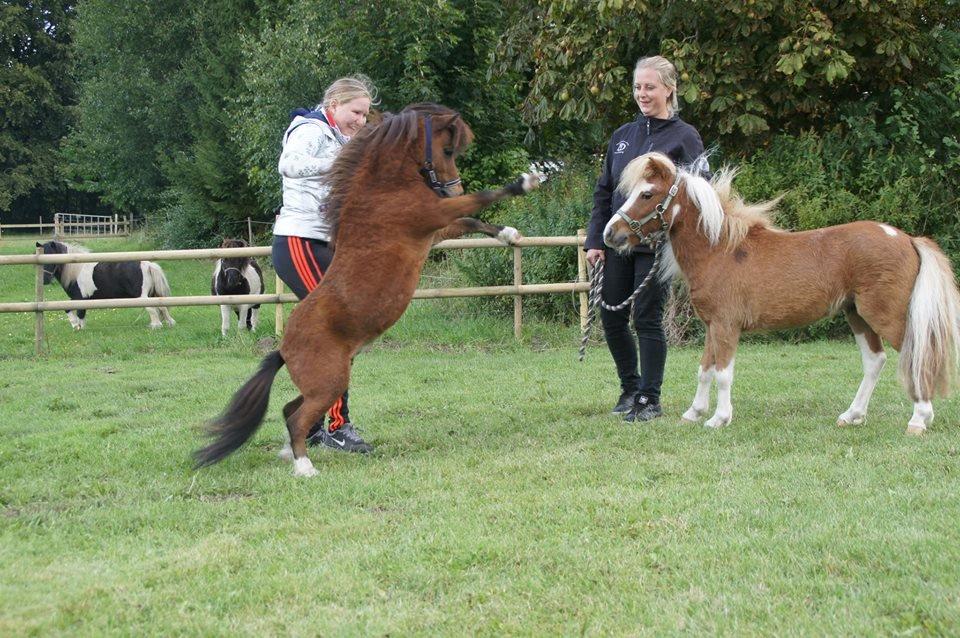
[646,195]
[448,152]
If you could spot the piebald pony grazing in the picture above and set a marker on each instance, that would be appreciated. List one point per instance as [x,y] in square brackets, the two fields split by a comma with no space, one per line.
[745,274]
[106,280]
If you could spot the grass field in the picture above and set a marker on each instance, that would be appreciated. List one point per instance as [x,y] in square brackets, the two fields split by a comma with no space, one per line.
[500,500]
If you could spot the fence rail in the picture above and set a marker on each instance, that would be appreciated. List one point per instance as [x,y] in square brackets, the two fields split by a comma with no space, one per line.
[114,226]
[517,290]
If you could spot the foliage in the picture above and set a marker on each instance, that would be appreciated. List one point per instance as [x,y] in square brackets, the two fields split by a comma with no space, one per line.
[559,208]
[153,130]
[36,92]
[414,50]
[747,69]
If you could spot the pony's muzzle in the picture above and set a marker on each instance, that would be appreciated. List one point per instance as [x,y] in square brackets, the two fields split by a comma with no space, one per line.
[616,239]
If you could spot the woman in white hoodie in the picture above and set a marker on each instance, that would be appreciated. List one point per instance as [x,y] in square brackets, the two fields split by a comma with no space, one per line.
[301,234]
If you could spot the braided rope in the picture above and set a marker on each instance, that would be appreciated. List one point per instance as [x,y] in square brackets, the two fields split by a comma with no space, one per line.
[595,297]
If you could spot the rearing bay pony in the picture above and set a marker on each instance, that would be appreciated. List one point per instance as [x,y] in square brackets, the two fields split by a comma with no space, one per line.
[746,274]
[395,190]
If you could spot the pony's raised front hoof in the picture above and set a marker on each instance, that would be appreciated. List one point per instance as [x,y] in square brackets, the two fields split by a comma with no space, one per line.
[509,235]
[303,467]
[531,181]
[916,430]
[716,422]
[171,323]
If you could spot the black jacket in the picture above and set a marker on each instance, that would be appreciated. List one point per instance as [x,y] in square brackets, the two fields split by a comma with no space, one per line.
[673,137]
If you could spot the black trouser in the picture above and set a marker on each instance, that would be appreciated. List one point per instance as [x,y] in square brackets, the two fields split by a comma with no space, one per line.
[621,276]
[300,263]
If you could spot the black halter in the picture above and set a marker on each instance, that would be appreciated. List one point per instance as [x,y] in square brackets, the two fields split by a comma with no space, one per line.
[430,175]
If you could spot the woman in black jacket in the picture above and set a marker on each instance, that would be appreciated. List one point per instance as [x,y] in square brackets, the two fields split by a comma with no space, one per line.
[657,128]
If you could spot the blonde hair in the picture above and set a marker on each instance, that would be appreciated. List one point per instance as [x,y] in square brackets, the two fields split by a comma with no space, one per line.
[667,74]
[349,88]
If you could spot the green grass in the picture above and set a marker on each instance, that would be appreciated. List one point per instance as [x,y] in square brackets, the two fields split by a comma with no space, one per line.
[500,500]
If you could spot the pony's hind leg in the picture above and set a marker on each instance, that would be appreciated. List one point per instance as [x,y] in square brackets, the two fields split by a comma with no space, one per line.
[873,358]
[242,317]
[286,452]
[298,424]
[705,375]
[154,318]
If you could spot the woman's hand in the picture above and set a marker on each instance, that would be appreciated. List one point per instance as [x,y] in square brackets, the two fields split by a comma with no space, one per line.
[593,255]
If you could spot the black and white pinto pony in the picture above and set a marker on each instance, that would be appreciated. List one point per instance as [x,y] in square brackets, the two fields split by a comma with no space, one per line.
[106,280]
[237,276]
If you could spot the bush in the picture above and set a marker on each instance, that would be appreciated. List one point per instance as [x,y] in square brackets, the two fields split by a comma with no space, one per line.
[559,208]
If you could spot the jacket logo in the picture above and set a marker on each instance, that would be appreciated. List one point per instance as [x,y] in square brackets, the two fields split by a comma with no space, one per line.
[621,147]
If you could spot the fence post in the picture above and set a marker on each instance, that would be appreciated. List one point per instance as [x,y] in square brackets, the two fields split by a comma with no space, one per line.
[249,232]
[38,320]
[581,277]
[518,299]
[278,323]
[116,226]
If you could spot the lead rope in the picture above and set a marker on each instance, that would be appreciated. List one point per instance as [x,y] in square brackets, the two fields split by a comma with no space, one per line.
[595,297]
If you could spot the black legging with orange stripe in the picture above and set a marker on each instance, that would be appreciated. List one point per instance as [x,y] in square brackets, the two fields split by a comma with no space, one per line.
[300,262]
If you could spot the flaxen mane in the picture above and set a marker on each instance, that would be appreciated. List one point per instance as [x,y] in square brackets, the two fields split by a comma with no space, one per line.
[724,216]
[390,138]
[739,217]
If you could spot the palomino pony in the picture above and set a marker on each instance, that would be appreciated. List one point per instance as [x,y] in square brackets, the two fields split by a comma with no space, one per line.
[745,274]
[106,280]
[395,189]
[237,276]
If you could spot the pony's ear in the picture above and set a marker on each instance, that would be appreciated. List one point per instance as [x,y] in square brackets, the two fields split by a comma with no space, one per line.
[658,168]
[460,134]
[39,245]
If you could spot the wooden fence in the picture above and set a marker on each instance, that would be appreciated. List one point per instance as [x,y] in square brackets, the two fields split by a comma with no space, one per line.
[112,226]
[517,290]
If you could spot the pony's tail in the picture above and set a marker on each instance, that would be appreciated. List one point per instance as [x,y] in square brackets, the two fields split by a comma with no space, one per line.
[244,414]
[160,286]
[931,345]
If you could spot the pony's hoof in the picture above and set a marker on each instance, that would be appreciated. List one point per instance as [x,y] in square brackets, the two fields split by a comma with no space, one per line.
[509,235]
[715,422]
[531,181]
[156,326]
[846,421]
[691,416]
[303,467]
[916,430]
[171,323]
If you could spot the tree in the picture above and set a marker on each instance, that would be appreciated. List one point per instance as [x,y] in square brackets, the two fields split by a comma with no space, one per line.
[414,50]
[36,92]
[748,68]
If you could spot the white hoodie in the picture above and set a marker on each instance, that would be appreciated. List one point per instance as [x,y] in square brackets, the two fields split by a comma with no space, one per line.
[309,147]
